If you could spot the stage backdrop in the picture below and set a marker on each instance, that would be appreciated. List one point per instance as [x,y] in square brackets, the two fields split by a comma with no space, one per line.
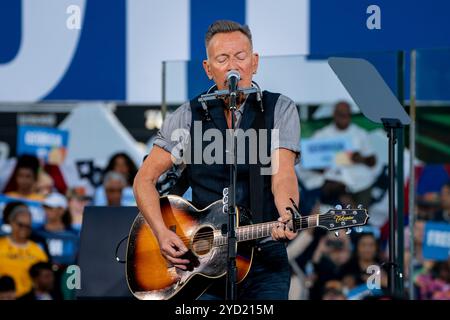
[112,49]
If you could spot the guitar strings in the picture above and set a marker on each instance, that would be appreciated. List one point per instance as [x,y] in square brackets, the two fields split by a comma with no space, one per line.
[206,235]
[202,235]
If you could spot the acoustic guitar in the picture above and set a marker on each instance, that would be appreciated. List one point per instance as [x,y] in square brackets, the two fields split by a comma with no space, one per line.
[151,277]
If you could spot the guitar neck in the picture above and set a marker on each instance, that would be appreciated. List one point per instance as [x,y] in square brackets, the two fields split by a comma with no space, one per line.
[263,230]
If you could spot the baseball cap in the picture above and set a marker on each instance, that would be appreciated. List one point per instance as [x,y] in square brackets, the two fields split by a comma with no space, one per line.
[55,200]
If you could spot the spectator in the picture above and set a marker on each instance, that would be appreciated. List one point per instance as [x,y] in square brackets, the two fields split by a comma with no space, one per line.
[329,257]
[420,265]
[7,288]
[61,239]
[366,253]
[57,234]
[43,280]
[428,206]
[354,174]
[122,163]
[114,183]
[77,201]
[18,252]
[9,207]
[24,178]
[435,284]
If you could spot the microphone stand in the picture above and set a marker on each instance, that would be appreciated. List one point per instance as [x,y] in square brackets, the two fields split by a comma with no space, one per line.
[231,288]
[231,292]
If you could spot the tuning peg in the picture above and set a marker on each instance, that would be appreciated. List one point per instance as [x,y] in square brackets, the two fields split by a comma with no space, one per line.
[360,206]
[336,233]
[348,231]
[338,207]
[349,206]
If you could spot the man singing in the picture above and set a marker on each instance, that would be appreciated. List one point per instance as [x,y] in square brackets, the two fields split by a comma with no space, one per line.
[229,47]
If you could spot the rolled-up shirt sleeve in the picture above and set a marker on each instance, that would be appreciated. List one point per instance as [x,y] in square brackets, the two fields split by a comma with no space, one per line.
[286,133]
[174,132]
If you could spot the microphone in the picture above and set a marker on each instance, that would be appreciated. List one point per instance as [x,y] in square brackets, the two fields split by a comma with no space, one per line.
[233,78]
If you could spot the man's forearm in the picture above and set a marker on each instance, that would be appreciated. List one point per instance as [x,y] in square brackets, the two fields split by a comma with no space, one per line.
[285,189]
[147,199]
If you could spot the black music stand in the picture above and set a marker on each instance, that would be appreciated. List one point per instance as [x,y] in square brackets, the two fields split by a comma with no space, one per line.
[377,102]
[102,277]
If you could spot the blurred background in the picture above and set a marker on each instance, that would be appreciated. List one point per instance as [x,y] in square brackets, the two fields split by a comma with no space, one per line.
[85,85]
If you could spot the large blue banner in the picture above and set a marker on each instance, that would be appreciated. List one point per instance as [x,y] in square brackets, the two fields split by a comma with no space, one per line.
[382,25]
[113,49]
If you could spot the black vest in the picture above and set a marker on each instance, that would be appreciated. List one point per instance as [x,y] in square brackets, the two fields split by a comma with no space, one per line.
[208,180]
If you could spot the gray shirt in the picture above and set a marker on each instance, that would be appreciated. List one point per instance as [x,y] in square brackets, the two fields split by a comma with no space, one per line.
[286,121]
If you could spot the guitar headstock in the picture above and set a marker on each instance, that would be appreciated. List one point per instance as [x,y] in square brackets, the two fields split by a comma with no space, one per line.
[335,219]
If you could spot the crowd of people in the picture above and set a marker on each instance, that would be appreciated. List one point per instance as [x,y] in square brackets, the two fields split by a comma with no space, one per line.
[41,222]
[35,251]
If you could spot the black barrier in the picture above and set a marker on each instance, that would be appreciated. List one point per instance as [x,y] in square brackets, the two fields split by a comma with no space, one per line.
[101,275]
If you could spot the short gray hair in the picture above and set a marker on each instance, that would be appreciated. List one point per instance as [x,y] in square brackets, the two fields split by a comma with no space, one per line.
[21,209]
[114,176]
[224,26]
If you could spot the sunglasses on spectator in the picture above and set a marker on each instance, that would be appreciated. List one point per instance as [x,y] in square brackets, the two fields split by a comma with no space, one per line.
[23,225]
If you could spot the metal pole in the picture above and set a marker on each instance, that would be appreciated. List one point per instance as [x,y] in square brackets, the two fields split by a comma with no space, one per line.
[231,289]
[412,185]
[163,89]
[392,214]
[400,178]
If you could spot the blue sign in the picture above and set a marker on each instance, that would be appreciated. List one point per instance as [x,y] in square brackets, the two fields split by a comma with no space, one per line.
[318,153]
[62,245]
[436,244]
[48,144]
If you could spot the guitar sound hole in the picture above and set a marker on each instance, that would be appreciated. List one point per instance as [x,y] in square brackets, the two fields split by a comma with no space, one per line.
[203,241]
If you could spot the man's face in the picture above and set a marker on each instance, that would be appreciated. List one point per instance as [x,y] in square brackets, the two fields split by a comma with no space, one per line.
[230,51]
[54,213]
[45,280]
[113,191]
[342,116]
[21,226]
[25,179]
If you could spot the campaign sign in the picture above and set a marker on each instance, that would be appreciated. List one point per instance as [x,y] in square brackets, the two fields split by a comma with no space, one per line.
[320,153]
[48,144]
[436,243]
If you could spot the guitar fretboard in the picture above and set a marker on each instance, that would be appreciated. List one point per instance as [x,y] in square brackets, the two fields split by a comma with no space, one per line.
[263,230]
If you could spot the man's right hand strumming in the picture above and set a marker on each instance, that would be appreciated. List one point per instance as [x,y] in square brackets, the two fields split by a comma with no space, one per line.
[147,197]
[173,248]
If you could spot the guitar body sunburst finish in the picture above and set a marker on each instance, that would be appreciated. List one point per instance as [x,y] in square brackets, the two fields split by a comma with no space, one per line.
[151,277]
